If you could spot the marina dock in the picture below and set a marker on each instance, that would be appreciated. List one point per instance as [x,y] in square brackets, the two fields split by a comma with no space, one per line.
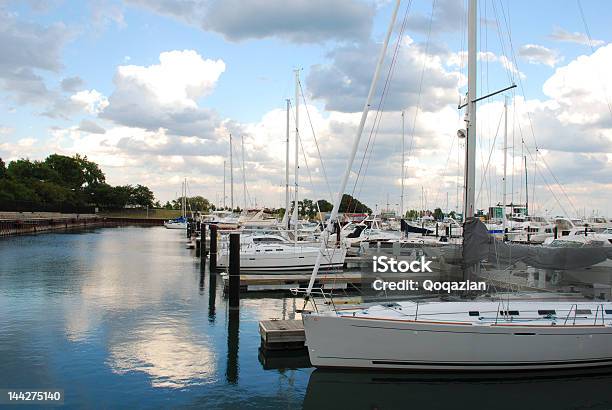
[249,283]
[282,334]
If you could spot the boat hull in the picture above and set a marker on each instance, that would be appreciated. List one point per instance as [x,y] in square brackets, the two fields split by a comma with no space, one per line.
[355,342]
[175,225]
[283,262]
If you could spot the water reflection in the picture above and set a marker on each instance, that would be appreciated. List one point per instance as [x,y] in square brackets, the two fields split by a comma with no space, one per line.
[167,352]
[233,332]
[378,390]
[126,318]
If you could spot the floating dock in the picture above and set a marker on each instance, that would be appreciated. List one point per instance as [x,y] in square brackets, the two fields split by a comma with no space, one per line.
[250,283]
[282,334]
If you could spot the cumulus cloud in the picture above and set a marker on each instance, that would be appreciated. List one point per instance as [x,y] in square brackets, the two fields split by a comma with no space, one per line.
[576,37]
[92,101]
[71,84]
[91,127]
[448,15]
[299,21]
[27,48]
[343,83]
[165,95]
[537,54]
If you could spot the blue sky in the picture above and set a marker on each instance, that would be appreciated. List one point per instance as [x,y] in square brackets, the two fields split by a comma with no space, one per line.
[335,44]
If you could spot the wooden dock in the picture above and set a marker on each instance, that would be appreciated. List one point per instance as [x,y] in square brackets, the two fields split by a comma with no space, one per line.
[282,334]
[267,282]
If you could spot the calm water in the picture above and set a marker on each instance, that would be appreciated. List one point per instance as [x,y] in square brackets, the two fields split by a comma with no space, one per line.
[122,317]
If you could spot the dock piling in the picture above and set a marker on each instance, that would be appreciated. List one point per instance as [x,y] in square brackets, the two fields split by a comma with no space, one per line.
[203,243]
[213,249]
[234,271]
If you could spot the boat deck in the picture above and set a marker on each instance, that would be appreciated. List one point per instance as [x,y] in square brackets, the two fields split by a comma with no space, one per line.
[535,313]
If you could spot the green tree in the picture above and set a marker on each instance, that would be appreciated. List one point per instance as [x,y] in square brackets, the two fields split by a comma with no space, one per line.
[412,214]
[91,171]
[2,169]
[350,205]
[142,196]
[325,206]
[198,203]
[438,214]
[24,171]
[67,171]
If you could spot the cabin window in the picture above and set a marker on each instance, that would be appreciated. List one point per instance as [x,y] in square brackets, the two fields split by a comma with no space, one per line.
[608,311]
[474,313]
[547,312]
[509,312]
[583,311]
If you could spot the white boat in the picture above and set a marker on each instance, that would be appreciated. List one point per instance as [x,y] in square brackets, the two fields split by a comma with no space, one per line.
[457,336]
[178,223]
[462,336]
[181,221]
[275,254]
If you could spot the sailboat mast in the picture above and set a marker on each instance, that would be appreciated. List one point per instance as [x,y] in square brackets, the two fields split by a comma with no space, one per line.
[297,147]
[349,165]
[470,148]
[402,173]
[231,173]
[286,216]
[505,162]
[526,190]
[244,192]
[224,195]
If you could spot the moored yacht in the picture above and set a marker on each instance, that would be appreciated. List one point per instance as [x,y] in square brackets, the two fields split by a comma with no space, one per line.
[457,336]
[265,253]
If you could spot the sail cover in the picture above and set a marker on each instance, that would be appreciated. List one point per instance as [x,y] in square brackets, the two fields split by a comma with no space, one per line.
[479,245]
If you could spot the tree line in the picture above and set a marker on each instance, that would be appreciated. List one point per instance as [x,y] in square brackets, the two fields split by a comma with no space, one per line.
[59,180]
[307,208]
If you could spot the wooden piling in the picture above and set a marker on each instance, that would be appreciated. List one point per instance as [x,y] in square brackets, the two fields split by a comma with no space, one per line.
[203,243]
[213,248]
[234,271]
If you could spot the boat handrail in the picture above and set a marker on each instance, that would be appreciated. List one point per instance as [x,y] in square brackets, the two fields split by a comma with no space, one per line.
[575,309]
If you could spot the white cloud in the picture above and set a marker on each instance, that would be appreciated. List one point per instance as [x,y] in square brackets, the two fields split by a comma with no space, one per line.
[299,21]
[165,95]
[178,80]
[583,90]
[537,54]
[92,101]
[576,37]
[343,83]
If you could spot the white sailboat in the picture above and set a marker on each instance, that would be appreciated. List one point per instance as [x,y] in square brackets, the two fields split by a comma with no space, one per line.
[458,336]
[276,253]
[268,253]
[181,221]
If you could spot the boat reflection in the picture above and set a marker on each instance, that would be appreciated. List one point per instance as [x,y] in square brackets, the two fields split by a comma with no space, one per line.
[378,390]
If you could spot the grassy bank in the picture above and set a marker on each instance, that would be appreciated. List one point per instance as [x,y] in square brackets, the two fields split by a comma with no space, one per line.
[142,213]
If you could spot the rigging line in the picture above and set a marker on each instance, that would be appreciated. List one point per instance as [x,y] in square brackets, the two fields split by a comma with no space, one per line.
[306,161]
[502,44]
[416,112]
[588,32]
[378,117]
[315,139]
[446,169]
[489,160]
[513,54]
[383,94]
